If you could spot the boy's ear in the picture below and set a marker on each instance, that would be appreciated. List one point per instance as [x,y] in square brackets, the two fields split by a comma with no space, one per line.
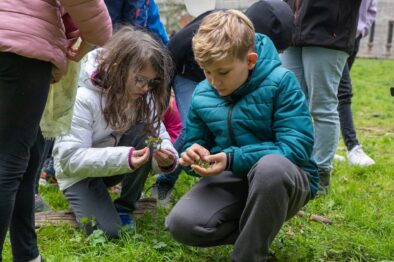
[252,60]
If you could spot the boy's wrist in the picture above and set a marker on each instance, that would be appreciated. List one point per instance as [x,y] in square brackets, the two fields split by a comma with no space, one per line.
[229,162]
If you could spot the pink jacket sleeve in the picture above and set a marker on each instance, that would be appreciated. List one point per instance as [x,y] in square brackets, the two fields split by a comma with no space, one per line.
[92,19]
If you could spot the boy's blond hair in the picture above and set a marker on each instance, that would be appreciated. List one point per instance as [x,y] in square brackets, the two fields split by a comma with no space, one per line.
[223,34]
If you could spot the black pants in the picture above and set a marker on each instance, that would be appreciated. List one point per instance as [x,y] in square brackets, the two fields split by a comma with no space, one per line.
[45,147]
[24,85]
[345,100]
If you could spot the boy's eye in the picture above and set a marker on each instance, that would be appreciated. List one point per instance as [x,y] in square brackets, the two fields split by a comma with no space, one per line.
[223,73]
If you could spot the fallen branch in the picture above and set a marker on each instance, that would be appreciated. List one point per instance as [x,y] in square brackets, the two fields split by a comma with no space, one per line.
[315,218]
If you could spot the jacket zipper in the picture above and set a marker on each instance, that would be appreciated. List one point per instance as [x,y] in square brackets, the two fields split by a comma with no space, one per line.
[229,127]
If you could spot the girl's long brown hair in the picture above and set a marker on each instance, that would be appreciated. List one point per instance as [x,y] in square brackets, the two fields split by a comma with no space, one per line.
[124,56]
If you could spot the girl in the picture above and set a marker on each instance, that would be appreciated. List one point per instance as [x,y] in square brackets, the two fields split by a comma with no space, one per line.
[120,101]
[34,49]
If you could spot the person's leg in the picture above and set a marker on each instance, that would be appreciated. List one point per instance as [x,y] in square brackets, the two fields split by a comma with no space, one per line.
[183,89]
[40,145]
[24,85]
[352,57]
[22,228]
[277,190]
[356,155]
[322,79]
[345,111]
[291,59]
[208,215]
[133,183]
[93,206]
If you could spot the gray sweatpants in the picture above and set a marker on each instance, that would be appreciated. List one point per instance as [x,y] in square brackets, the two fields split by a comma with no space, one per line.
[90,199]
[245,211]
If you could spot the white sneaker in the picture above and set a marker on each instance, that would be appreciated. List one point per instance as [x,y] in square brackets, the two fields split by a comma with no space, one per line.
[357,157]
[339,158]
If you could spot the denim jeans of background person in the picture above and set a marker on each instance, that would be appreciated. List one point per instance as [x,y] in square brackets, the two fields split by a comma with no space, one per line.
[319,81]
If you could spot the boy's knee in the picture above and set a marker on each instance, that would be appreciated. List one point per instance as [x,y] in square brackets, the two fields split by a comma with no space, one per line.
[270,170]
[180,227]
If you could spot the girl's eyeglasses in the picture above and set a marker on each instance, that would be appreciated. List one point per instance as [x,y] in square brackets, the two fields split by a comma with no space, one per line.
[141,81]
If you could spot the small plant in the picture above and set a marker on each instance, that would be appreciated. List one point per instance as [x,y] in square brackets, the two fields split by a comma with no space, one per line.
[203,163]
[155,142]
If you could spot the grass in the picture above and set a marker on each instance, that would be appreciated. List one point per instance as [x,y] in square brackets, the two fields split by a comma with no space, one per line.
[361,202]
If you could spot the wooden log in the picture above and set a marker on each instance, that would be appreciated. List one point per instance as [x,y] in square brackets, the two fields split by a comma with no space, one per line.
[55,218]
[144,206]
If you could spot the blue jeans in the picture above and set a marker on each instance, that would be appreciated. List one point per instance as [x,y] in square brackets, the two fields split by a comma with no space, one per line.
[24,85]
[183,89]
[319,71]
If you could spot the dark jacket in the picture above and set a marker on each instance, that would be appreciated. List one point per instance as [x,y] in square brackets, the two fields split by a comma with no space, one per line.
[268,114]
[181,50]
[325,23]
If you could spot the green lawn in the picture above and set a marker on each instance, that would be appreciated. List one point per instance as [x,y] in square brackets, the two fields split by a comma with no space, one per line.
[360,204]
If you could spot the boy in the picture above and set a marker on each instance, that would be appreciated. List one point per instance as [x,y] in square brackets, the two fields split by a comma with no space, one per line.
[270,17]
[250,121]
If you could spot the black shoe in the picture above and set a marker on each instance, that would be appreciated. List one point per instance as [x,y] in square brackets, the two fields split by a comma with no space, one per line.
[324,184]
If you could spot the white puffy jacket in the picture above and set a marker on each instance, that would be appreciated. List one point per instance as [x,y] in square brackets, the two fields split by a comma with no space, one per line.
[90,148]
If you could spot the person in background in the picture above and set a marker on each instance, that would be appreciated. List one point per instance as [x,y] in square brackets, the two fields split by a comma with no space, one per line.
[249,135]
[172,120]
[33,53]
[322,41]
[355,154]
[277,23]
[121,99]
[142,14]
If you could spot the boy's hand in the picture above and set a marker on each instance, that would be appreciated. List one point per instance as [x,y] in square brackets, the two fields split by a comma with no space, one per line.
[163,157]
[140,157]
[193,154]
[219,164]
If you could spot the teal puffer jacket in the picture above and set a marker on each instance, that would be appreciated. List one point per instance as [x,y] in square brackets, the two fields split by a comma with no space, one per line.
[268,114]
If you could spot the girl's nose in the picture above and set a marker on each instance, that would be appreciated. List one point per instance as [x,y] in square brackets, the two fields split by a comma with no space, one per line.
[145,88]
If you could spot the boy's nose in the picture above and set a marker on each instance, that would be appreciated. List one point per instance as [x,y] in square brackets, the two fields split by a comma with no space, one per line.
[215,82]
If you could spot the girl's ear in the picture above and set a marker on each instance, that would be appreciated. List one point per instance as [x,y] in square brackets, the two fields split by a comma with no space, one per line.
[252,59]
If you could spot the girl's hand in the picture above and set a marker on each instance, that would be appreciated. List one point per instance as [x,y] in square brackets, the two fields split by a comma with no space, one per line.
[164,158]
[219,164]
[193,154]
[140,157]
